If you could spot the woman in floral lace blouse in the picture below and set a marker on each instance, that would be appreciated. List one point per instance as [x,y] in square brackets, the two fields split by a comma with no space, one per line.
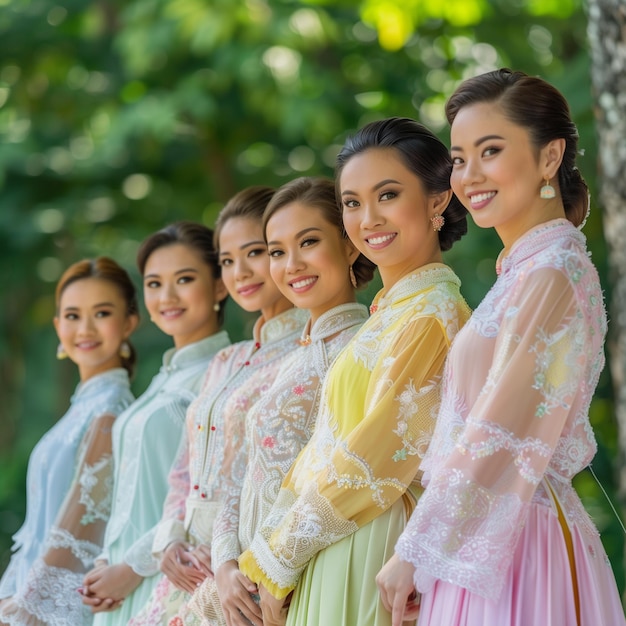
[500,536]
[345,501]
[317,268]
[70,469]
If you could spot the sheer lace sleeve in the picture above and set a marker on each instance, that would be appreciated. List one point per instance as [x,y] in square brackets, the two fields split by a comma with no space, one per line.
[76,538]
[49,595]
[370,464]
[487,459]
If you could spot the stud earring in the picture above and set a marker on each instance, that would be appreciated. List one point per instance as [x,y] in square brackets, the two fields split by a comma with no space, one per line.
[547,191]
[61,353]
[353,278]
[437,221]
[216,307]
[125,350]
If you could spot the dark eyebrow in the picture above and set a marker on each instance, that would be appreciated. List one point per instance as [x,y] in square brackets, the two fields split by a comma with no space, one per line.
[304,231]
[95,306]
[478,141]
[184,270]
[256,242]
[377,186]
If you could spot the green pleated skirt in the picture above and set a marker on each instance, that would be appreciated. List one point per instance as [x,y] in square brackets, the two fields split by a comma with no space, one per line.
[338,587]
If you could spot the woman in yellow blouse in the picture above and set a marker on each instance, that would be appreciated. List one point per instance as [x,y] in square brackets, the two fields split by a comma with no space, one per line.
[349,494]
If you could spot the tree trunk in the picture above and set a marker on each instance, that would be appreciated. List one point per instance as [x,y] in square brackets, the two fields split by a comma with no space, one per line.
[607,37]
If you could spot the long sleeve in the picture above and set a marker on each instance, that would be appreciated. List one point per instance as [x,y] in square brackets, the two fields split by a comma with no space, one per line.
[225,544]
[277,427]
[74,541]
[350,473]
[485,467]
[140,554]
[172,527]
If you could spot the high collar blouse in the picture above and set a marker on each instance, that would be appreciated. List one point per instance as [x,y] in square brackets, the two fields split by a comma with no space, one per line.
[277,428]
[234,382]
[515,411]
[379,401]
[146,438]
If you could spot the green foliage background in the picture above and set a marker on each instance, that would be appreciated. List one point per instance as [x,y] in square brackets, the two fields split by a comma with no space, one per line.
[117,117]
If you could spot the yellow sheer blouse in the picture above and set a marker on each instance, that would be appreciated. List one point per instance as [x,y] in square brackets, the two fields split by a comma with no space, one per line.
[377,414]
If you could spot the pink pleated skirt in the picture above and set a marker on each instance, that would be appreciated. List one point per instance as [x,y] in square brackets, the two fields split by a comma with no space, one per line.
[539,589]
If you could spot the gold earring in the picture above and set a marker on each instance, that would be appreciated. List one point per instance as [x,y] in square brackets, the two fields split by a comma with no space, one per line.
[353,278]
[547,191]
[437,221]
[216,307]
[125,350]
[61,353]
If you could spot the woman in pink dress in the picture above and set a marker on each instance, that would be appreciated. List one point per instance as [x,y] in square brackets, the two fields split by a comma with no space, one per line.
[500,537]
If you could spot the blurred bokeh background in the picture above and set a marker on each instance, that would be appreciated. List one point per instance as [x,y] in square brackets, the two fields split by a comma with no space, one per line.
[118,117]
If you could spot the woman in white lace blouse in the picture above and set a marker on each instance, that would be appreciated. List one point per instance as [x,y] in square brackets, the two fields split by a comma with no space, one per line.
[317,268]
[69,471]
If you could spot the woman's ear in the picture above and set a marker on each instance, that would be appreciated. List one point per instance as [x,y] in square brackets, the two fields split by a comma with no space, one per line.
[55,321]
[132,321]
[439,202]
[220,290]
[552,156]
[351,251]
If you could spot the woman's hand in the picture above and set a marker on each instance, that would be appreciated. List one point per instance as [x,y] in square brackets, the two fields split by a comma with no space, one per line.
[234,589]
[200,556]
[106,586]
[274,611]
[178,565]
[397,591]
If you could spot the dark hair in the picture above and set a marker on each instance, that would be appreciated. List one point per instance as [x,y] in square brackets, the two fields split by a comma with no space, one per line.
[190,234]
[422,153]
[537,106]
[319,193]
[107,269]
[249,203]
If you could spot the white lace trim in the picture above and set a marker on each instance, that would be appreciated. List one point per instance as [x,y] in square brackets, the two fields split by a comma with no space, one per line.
[86,551]
[49,597]
[139,556]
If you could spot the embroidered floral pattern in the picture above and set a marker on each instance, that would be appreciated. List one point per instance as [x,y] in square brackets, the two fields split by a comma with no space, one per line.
[377,410]
[513,416]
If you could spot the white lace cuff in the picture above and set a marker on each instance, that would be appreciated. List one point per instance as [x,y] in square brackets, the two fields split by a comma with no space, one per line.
[139,556]
[166,532]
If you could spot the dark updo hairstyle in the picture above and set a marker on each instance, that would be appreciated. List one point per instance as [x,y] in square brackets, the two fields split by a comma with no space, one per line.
[107,269]
[541,109]
[422,153]
[249,204]
[320,194]
[191,235]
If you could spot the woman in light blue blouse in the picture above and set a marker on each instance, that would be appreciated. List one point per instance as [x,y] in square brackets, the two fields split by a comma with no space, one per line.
[69,471]
[184,295]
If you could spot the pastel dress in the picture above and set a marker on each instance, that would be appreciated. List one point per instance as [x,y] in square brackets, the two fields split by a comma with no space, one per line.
[146,438]
[277,427]
[237,378]
[347,498]
[69,484]
[499,535]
